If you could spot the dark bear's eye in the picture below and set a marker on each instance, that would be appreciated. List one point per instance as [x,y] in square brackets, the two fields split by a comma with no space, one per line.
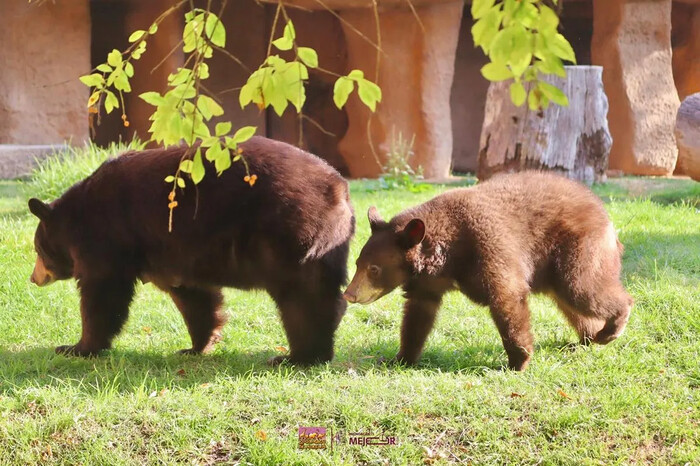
[374,271]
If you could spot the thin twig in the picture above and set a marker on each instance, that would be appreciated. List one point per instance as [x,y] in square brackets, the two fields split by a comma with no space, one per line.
[318,125]
[415,13]
[348,24]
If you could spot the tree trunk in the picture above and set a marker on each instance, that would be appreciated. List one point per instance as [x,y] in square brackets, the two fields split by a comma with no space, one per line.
[574,140]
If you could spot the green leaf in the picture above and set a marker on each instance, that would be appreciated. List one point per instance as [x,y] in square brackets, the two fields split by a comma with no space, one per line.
[114,58]
[198,167]
[215,29]
[220,156]
[274,94]
[243,134]
[93,98]
[548,18]
[369,93]
[104,67]
[518,93]
[121,83]
[202,71]
[140,49]
[222,128]
[136,35]
[496,72]
[169,179]
[153,29]
[527,15]
[553,93]
[481,7]
[181,76]
[92,80]
[209,107]
[533,100]
[502,45]
[356,74]
[286,42]
[283,43]
[186,166]
[341,91]
[485,29]
[129,69]
[180,182]
[111,101]
[561,48]
[152,98]
[289,31]
[308,56]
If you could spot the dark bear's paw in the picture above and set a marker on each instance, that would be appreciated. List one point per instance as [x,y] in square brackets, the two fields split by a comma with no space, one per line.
[277,360]
[298,361]
[76,350]
[399,360]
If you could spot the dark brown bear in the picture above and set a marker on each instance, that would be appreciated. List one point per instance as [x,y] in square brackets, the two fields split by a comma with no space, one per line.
[288,234]
[497,243]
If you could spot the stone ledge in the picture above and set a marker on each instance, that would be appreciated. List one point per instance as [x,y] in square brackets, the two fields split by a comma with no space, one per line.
[19,160]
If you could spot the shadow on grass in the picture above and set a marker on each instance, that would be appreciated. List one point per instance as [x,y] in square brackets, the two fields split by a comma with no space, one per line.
[126,370]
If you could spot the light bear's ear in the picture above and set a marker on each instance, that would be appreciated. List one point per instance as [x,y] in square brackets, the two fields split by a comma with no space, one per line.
[413,233]
[375,220]
[40,209]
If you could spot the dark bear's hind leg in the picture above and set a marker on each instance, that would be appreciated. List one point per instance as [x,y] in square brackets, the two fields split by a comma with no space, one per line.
[201,309]
[104,307]
[512,317]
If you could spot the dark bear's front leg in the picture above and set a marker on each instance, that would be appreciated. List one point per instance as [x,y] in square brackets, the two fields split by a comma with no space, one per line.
[418,319]
[104,307]
[310,323]
[201,309]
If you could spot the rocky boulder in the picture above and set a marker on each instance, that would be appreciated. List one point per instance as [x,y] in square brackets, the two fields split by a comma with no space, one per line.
[688,136]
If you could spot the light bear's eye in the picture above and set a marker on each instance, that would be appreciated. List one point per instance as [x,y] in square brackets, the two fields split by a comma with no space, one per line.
[374,271]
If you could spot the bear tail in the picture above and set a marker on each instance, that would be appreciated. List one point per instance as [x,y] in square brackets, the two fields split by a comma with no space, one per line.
[337,224]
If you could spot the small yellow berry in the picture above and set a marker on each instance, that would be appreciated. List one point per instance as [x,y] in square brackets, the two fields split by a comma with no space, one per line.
[171,196]
[126,123]
[172,205]
[246,179]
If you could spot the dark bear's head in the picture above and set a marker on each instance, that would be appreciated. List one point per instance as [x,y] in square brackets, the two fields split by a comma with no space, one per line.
[383,264]
[53,261]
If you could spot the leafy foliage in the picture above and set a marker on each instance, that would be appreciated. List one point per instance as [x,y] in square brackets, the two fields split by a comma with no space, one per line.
[184,113]
[521,39]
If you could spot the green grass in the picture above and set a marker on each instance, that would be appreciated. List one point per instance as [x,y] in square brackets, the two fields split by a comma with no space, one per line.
[636,400]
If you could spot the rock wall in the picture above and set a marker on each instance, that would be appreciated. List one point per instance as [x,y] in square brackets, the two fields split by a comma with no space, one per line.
[41,99]
[415,73]
[631,40]
[685,37]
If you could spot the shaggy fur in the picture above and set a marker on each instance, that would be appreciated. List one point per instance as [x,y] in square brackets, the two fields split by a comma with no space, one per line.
[497,243]
[288,234]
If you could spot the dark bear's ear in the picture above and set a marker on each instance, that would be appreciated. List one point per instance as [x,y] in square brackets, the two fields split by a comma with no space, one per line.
[413,233]
[375,220]
[40,209]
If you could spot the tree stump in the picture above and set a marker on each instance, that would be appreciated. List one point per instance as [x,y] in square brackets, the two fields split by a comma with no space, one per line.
[574,141]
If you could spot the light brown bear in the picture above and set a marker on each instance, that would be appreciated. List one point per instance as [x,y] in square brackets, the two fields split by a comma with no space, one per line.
[498,242]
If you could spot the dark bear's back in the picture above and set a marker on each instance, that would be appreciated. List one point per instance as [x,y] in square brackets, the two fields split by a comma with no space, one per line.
[225,231]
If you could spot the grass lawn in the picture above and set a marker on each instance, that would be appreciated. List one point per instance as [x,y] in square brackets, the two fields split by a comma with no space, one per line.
[636,400]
